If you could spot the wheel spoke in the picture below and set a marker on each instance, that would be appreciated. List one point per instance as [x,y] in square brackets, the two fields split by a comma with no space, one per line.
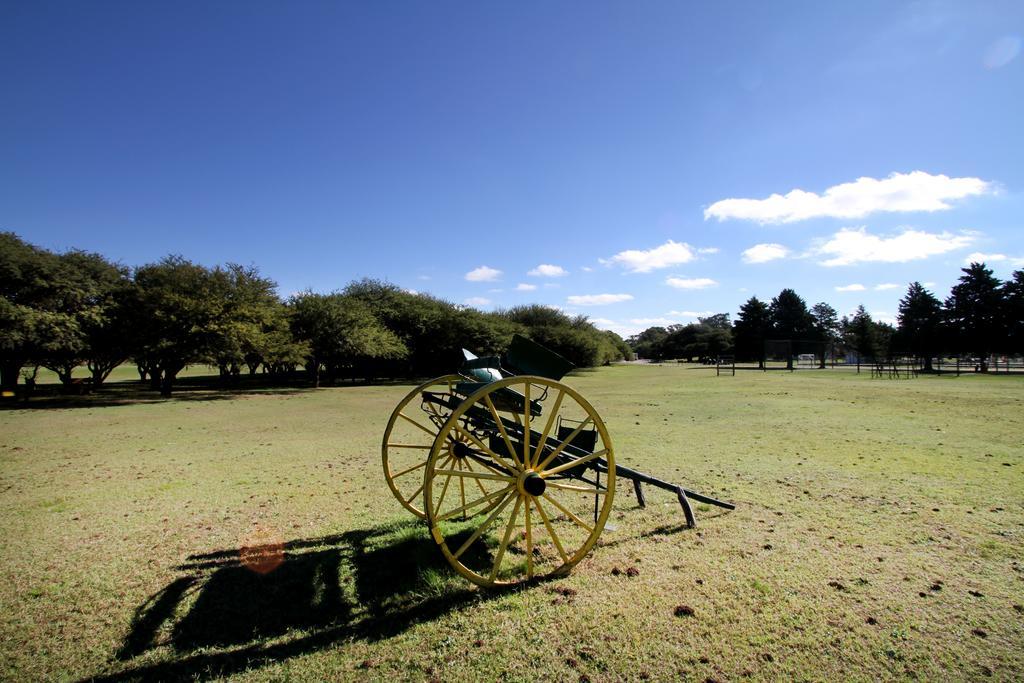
[529,543]
[577,489]
[479,444]
[526,425]
[477,480]
[482,528]
[412,421]
[501,429]
[497,468]
[407,470]
[568,513]
[576,462]
[561,446]
[551,532]
[414,494]
[462,487]
[547,427]
[472,474]
[444,489]
[408,445]
[508,535]
[473,503]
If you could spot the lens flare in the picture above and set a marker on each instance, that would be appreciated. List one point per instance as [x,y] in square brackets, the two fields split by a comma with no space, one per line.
[262,551]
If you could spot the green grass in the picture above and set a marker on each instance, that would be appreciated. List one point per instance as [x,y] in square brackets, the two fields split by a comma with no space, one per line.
[879,534]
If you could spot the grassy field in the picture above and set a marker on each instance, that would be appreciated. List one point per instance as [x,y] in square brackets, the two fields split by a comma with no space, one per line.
[879,534]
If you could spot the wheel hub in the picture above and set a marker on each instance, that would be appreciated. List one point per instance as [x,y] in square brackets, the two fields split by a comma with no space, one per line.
[460,450]
[532,484]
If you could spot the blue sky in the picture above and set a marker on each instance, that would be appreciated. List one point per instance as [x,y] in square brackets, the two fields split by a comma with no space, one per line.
[455,148]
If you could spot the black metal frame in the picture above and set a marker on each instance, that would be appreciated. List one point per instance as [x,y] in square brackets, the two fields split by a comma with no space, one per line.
[481,421]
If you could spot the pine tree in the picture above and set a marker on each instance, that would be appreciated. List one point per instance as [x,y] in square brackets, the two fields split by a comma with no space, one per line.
[750,330]
[973,312]
[920,319]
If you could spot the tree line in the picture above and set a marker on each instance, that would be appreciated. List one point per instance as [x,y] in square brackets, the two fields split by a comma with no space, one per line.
[981,316]
[66,310]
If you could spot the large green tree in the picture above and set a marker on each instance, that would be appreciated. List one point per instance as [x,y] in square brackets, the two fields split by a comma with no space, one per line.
[861,333]
[433,330]
[340,332]
[1013,296]
[251,314]
[825,325]
[974,312]
[751,329]
[181,309]
[649,344]
[99,295]
[790,320]
[714,336]
[36,291]
[573,337]
[919,324]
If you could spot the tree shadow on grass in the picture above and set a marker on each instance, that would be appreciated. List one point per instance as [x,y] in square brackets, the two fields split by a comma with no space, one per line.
[233,610]
[113,394]
[201,388]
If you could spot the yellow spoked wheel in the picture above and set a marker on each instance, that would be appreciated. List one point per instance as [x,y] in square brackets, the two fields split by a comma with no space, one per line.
[409,436]
[510,490]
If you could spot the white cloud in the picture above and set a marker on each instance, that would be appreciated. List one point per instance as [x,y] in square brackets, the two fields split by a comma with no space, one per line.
[639,261]
[601,321]
[477,301]
[856,245]
[762,253]
[624,331]
[551,285]
[598,299]
[483,274]
[708,250]
[885,286]
[692,314]
[524,287]
[851,288]
[423,277]
[884,317]
[1002,52]
[978,257]
[664,322]
[900,192]
[927,284]
[411,291]
[546,270]
[690,283]
[587,269]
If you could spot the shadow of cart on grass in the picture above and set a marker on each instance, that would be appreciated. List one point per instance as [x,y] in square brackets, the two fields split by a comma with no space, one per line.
[244,608]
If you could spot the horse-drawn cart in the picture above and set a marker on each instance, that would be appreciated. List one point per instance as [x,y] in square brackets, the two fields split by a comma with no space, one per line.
[513,470]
